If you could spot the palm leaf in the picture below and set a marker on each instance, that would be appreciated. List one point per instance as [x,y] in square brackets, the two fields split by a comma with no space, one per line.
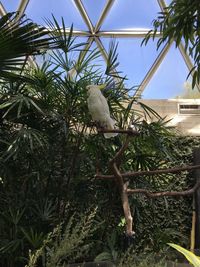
[18,40]
[112,62]
[191,257]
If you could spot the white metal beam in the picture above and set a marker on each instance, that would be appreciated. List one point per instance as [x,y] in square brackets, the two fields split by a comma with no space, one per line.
[184,54]
[101,48]
[152,71]
[104,54]
[22,7]
[103,15]
[2,10]
[123,34]
[86,48]
[162,4]
[75,32]
[109,34]
[84,15]
[187,60]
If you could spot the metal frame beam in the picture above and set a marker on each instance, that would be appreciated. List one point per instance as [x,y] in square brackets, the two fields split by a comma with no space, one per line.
[94,34]
[152,70]
[101,48]
[124,34]
[104,54]
[2,10]
[84,15]
[75,32]
[86,48]
[22,7]
[187,60]
[181,48]
[108,34]
[103,15]
[162,4]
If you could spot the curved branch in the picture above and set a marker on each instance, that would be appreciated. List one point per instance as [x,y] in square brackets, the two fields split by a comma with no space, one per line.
[124,198]
[165,193]
[141,173]
[119,154]
[128,131]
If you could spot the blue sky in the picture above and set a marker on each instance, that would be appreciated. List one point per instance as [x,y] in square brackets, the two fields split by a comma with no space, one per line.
[134,60]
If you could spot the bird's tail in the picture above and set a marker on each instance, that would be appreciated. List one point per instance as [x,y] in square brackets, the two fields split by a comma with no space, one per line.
[110,125]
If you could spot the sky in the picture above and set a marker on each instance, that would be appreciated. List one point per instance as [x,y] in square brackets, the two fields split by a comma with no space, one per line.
[135,60]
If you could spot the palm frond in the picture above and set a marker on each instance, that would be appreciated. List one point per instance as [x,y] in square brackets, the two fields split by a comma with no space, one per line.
[18,40]
[112,61]
[64,39]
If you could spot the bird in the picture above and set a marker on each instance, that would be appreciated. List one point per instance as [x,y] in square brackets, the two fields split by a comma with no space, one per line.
[99,109]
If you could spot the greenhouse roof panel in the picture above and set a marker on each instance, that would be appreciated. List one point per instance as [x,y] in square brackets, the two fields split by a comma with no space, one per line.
[135,61]
[94,10]
[131,14]
[169,80]
[10,5]
[125,21]
[39,11]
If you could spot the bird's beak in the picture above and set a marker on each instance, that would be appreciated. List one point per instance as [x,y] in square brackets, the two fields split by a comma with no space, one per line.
[102,86]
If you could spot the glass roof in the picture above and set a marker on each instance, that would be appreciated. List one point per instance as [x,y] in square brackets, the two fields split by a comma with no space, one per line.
[129,15]
[39,11]
[135,60]
[94,10]
[127,22]
[10,5]
[169,80]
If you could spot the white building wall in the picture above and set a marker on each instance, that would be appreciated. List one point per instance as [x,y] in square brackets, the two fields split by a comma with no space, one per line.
[186,124]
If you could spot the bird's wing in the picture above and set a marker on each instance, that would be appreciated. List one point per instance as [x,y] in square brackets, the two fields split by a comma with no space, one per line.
[99,109]
[104,103]
[96,101]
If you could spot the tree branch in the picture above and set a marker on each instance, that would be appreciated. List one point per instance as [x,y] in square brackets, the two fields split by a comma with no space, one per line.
[141,173]
[165,193]
[119,154]
[128,131]
[124,198]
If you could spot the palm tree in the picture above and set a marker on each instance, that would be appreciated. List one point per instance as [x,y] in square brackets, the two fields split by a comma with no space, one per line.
[19,38]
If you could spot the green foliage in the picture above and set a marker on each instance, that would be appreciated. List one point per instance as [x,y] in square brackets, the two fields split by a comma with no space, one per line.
[110,252]
[20,38]
[165,219]
[131,259]
[180,22]
[49,154]
[69,245]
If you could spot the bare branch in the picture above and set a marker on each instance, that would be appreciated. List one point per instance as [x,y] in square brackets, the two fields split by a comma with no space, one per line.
[165,193]
[124,198]
[128,131]
[141,173]
[119,154]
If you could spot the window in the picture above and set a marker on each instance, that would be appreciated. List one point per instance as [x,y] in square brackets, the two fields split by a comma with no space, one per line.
[189,109]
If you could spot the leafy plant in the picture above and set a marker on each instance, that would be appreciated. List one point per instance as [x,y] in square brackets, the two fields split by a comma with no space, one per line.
[110,253]
[179,22]
[50,151]
[20,38]
[131,259]
[69,245]
[34,238]
[190,256]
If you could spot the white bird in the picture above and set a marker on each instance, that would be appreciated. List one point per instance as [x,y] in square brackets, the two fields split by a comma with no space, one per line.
[99,109]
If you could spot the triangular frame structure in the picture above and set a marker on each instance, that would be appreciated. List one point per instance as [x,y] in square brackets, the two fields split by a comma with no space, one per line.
[94,35]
